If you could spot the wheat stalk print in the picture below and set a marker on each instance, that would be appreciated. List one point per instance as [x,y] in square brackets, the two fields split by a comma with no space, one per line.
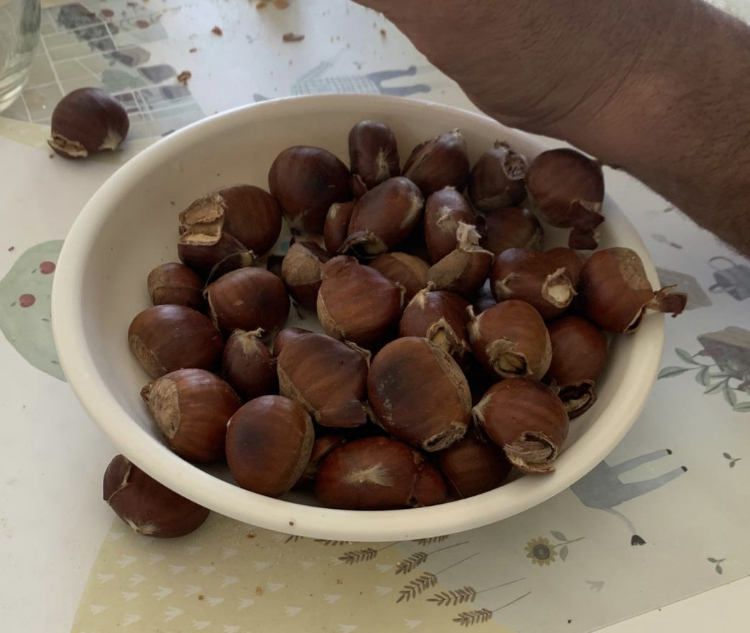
[327,542]
[410,563]
[431,540]
[293,539]
[424,581]
[353,557]
[480,616]
[455,597]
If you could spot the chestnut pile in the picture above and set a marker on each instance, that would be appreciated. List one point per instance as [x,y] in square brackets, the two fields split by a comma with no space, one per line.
[454,347]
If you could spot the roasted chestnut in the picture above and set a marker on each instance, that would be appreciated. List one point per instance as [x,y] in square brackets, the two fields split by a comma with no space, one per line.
[306,181]
[322,446]
[356,303]
[438,163]
[383,217]
[269,443]
[327,377]
[440,317]
[248,299]
[418,393]
[512,227]
[169,337]
[285,335]
[443,211]
[336,227]
[373,155]
[511,339]
[615,292]
[86,121]
[407,270]
[191,408]
[579,354]
[497,179]
[148,507]
[247,365]
[377,473]
[175,284]
[464,270]
[527,420]
[473,465]
[302,272]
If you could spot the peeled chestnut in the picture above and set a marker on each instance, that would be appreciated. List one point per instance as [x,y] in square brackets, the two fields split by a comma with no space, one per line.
[383,217]
[302,272]
[512,227]
[615,292]
[440,162]
[169,337]
[356,303]
[443,211]
[285,335]
[419,394]
[404,269]
[579,354]
[86,121]
[535,278]
[175,284]
[440,317]
[228,228]
[567,188]
[306,181]
[148,507]
[473,465]
[527,420]
[497,179]
[373,155]
[327,377]
[464,270]
[511,339]
[377,473]
[191,408]
[248,366]
[322,446]
[336,226]
[269,442]
[248,299]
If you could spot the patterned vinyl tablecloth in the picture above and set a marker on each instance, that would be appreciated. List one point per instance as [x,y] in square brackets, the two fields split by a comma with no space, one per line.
[663,517]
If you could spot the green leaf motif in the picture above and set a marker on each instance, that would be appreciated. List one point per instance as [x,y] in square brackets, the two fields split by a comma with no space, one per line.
[719,386]
[558,535]
[668,372]
[686,356]
[563,552]
[729,394]
[712,560]
[743,407]
[703,377]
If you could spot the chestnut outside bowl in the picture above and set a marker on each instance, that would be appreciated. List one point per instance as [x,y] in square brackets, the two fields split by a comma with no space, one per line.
[130,225]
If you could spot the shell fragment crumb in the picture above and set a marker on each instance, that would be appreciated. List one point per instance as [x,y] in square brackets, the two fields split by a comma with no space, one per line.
[184,77]
[292,37]
[217,31]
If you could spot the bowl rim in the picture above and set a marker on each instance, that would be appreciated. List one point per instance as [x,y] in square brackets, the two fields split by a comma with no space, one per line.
[286,516]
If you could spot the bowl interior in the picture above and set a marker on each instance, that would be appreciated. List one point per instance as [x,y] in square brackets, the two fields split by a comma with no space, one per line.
[130,226]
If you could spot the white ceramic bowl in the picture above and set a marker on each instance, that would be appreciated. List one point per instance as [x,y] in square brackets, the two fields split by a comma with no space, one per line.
[130,226]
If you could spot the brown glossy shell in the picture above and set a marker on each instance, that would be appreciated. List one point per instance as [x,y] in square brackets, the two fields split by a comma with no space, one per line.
[444,210]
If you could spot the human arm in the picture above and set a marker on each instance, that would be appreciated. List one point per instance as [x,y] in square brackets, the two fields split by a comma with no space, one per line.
[660,88]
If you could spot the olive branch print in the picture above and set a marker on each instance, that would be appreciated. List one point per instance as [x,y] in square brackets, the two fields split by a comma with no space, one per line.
[455,597]
[410,563]
[353,557]
[425,581]
[480,616]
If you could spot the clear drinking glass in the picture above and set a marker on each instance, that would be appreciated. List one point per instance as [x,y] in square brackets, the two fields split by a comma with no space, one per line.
[19,34]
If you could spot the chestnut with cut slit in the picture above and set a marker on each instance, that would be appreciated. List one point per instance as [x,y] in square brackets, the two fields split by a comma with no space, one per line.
[510,339]
[175,284]
[440,162]
[465,269]
[497,178]
[327,377]
[527,420]
[169,337]
[191,408]
[615,292]
[377,473]
[444,209]
[269,443]
[418,393]
[579,354]
[148,507]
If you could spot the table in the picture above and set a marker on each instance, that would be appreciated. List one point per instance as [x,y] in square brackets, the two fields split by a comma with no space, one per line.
[52,519]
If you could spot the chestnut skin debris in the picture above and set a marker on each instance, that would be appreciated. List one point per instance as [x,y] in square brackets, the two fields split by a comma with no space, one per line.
[450,347]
